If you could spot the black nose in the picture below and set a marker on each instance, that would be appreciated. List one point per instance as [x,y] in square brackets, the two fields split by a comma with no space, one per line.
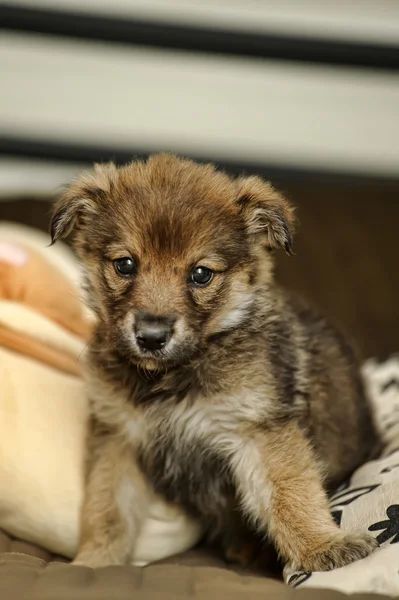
[152,333]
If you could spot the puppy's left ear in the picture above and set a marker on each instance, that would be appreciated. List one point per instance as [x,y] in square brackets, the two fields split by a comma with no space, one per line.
[80,201]
[266,212]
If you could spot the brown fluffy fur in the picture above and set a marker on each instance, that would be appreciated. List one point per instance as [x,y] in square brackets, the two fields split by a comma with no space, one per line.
[253,408]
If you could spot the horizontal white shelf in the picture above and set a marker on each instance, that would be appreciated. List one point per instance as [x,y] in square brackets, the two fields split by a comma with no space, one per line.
[228,108]
[373,21]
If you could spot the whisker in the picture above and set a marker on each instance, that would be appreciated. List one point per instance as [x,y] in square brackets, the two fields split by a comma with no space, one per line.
[84,348]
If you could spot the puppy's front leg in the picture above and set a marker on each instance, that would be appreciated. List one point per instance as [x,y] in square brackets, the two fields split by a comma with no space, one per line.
[115,503]
[281,490]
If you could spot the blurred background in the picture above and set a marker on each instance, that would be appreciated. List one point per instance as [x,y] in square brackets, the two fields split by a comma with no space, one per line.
[303,92]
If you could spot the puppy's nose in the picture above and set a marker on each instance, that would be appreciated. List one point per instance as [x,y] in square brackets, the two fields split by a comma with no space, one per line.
[153,332]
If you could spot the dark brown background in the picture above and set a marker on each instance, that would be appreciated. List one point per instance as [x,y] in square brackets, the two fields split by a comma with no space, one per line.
[347,255]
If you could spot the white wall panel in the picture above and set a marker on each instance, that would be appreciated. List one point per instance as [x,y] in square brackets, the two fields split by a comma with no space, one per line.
[238,109]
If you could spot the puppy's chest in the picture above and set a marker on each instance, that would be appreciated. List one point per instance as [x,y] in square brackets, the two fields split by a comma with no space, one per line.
[183,453]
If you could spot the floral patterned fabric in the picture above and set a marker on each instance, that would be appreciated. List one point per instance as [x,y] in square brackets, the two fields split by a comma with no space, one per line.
[369,501]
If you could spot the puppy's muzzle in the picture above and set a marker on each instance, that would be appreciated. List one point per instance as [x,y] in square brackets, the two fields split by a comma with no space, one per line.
[153,332]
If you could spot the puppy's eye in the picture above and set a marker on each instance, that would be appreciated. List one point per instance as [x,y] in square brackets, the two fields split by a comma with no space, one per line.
[201,276]
[125,267]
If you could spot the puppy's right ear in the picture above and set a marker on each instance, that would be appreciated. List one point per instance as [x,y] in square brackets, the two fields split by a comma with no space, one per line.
[80,200]
[66,215]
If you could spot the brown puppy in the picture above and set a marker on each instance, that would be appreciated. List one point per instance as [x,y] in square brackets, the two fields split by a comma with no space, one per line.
[208,384]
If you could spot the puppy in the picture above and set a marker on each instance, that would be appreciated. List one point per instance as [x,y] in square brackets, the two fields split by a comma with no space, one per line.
[208,384]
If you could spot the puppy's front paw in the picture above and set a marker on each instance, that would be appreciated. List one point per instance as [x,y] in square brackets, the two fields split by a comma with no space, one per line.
[95,559]
[342,550]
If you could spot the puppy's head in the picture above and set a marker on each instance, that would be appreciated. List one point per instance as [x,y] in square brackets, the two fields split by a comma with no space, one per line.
[174,252]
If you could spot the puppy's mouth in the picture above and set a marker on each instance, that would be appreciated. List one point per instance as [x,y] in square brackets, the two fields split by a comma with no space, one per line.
[151,366]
